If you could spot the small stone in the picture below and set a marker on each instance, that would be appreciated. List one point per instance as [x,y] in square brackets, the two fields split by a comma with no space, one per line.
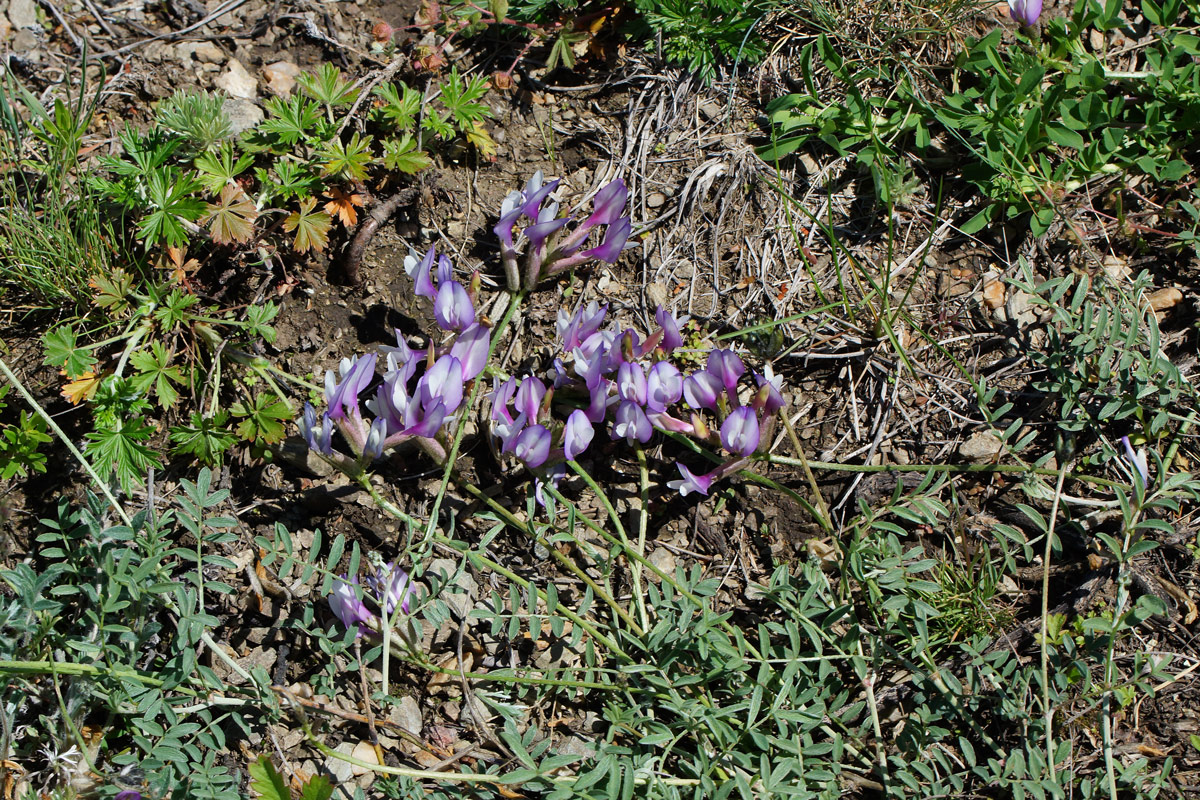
[981,446]
[6,27]
[208,53]
[711,109]
[342,771]
[1019,309]
[1164,299]
[664,559]
[237,81]
[24,41]
[363,751]
[993,294]
[1115,268]
[243,114]
[407,714]
[656,200]
[23,13]
[281,77]
[656,294]
[460,594]
[1096,40]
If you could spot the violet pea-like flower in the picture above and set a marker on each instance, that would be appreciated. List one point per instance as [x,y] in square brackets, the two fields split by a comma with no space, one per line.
[727,367]
[608,204]
[532,446]
[443,382]
[700,390]
[671,337]
[1137,460]
[471,349]
[347,607]
[631,383]
[392,586]
[452,307]
[320,438]
[577,434]
[418,268]
[664,386]
[615,237]
[529,397]
[343,395]
[632,423]
[691,482]
[1025,12]
[739,431]
[775,392]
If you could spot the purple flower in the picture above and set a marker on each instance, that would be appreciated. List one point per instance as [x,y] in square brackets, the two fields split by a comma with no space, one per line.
[418,269]
[319,439]
[452,307]
[577,434]
[501,396]
[1025,12]
[471,349]
[373,448]
[392,586]
[615,237]
[573,330]
[632,423]
[128,794]
[344,394]
[671,338]
[691,482]
[608,204]
[700,390]
[347,606]
[774,400]
[532,446]
[532,206]
[1137,460]
[401,358]
[546,225]
[663,387]
[739,432]
[631,383]
[529,397]
[727,368]
[442,383]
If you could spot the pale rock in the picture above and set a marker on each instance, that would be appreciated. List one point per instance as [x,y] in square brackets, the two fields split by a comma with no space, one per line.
[281,77]
[460,593]
[208,53]
[342,771]
[23,13]
[1115,268]
[363,751]
[993,293]
[24,41]
[664,560]
[407,714]
[237,82]
[1164,299]
[6,27]
[656,294]
[1019,309]
[656,200]
[981,446]
[243,114]
[1096,40]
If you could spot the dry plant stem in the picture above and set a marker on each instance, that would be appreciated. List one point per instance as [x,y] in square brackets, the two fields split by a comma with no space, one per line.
[824,519]
[366,232]
[873,704]
[964,468]
[70,723]
[1047,709]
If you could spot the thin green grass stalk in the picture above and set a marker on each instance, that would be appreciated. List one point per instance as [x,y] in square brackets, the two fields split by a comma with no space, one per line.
[643,522]
[1047,708]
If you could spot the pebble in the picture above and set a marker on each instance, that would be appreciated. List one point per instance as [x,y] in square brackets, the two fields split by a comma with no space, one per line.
[993,294]
[342,772]
[281,77]
[23,13]
[664,559]
[1164,299]
[461,593]
[237,81]
[407,714]
[363,751]
[1019,310]
[1115,268]
[656,200]
[981,446]
[243,114]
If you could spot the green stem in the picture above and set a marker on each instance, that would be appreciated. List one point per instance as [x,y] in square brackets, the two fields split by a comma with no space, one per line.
[643,520]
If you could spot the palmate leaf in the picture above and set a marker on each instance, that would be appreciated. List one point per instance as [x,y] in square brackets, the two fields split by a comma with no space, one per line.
[348,160]
[168,192]
[63,351]
[482,140]
[154,371]
[263,419]
[121,447]
[401,105]
[328,87]
[232,218]
[266,782]
[342,206]
[402,155]
[205,438]
[290,122]
[311,227]
[113,291]
[217,169]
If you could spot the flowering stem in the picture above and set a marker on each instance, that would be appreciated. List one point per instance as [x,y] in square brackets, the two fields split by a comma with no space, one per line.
[823,517]
[643,519]
[514,522]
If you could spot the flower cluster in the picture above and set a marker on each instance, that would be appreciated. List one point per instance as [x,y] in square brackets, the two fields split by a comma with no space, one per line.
[389,584]
[613,374]
[406,407]
[1025,12]
[548,249]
